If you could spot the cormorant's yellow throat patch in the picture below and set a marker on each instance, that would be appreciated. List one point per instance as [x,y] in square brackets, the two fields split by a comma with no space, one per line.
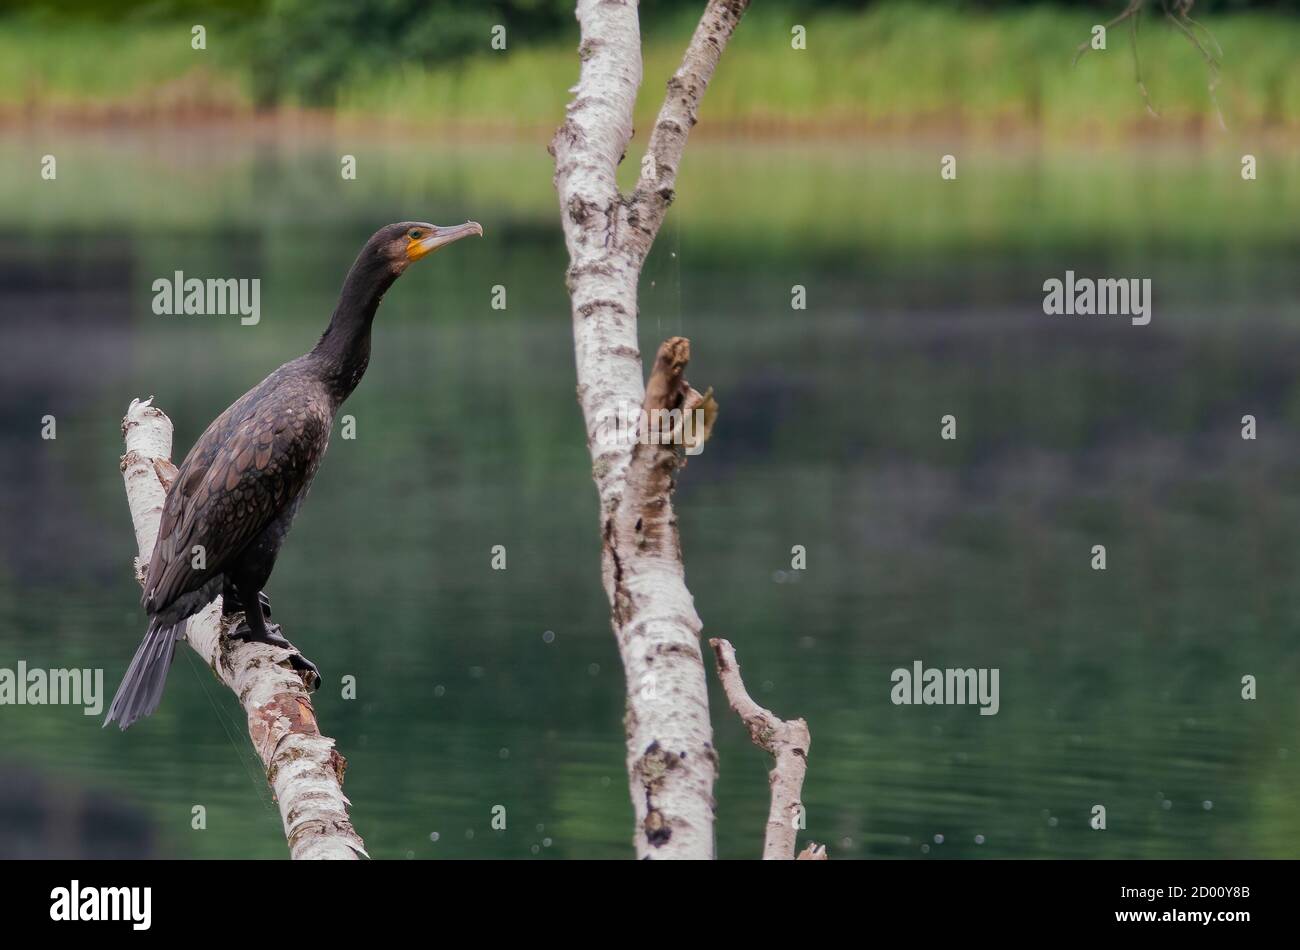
[416,246]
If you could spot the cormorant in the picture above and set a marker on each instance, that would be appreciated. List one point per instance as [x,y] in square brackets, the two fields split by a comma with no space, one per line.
[234,497]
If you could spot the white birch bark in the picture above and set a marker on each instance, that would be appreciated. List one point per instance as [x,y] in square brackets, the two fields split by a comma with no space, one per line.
[302,766]
[671,760]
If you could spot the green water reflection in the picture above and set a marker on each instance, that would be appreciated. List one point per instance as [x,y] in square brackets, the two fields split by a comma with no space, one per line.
[1120,688]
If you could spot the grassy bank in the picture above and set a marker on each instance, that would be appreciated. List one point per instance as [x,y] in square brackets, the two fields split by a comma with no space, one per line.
[881,200]
[904,65]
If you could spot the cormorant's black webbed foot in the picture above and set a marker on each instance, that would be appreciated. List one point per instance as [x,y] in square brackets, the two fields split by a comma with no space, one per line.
[270,634]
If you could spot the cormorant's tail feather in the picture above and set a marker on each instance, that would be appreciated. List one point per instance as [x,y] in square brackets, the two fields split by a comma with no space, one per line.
[142,686]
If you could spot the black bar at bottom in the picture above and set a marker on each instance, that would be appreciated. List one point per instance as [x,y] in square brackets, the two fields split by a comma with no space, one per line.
[1222,898]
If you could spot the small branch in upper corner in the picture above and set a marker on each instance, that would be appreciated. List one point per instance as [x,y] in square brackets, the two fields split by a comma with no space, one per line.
[1177,12]
[1131,11]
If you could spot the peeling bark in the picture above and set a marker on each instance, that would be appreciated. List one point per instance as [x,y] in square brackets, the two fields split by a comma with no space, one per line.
[303,768]
[787,743]
[671,762]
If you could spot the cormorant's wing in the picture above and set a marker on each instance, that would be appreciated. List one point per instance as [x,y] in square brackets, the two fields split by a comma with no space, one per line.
[246,469]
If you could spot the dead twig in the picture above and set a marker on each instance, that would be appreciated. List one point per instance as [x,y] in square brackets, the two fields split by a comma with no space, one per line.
[787,743]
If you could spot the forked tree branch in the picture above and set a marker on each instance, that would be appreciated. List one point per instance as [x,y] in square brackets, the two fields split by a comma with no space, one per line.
[671,761]
[302,766]
[679,113]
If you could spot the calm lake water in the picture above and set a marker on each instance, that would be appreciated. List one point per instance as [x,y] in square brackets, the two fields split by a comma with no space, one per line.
[478,688]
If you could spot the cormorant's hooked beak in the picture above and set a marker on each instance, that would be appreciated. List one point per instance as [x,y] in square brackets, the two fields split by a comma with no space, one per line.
[441,237]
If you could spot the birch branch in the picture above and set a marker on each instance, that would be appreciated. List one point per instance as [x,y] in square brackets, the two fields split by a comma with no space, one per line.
[671,761]
[787,743]
[679,113]
[302,766]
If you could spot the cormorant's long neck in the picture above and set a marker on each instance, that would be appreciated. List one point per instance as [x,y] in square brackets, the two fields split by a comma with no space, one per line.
[343,352]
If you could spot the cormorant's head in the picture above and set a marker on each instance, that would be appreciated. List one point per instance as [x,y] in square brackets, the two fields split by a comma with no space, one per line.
[406,242]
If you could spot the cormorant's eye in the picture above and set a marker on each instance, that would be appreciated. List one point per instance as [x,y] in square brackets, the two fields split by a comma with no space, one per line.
[416,234]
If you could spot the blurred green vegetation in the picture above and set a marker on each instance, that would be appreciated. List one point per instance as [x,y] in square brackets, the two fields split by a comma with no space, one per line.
[1019,199]
[894,63]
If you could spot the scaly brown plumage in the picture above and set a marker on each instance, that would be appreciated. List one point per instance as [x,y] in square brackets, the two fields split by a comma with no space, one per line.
[234,497]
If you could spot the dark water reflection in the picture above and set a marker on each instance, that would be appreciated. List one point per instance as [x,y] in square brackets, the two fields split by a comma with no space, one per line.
[1119,687]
